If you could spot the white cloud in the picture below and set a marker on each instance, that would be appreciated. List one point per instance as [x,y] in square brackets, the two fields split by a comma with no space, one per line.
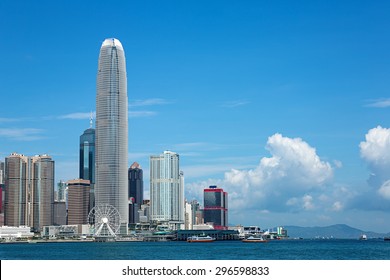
[337,163]
[337,206]
[376,149]
[308,202]
[148,102]
[384,190]
[5,120]
[234,103]
[379,103]
[22,134]
[293,170]
[141,114]
[297,160]
[78,116]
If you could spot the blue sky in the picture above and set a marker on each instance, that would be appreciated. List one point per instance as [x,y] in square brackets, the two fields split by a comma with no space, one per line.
[285,104]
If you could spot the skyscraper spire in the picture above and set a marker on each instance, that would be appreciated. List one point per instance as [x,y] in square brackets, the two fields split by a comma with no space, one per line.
[90,120]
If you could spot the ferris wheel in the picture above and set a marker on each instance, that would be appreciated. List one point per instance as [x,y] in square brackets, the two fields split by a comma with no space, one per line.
[105,220]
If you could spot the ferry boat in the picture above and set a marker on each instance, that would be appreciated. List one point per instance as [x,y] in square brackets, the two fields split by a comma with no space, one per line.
[200,239]
[363,237]
[258,239]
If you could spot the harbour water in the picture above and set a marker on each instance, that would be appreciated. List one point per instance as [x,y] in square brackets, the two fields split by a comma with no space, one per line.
[332,249]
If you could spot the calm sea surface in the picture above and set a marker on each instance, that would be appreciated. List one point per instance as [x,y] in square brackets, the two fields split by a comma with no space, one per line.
[220,250]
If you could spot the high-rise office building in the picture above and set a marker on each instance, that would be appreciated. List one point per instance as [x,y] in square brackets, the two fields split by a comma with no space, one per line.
[61,191]
[166,188]
[216,207]
[191,209]
[78,201]
[43,191]
[111,186]
[2,188]
[16,206]
[87,155]
[30,191]
[87,161]
[136,191]
[2,172]
[59,213]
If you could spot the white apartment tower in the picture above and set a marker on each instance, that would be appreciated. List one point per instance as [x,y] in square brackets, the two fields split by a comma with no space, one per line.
[112,130]
[166,188]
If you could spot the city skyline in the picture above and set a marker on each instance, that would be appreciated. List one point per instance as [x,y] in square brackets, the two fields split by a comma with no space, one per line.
[283,105]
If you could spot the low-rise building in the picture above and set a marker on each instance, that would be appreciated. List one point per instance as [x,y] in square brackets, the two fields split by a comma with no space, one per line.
[8,232]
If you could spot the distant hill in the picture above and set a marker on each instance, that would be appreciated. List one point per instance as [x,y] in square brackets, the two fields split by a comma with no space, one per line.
[334,231]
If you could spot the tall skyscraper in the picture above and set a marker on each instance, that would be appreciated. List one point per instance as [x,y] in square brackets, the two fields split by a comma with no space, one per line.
[136,191]
[43,191]
[111,185]
[87,161]
[2,188]
[16,206]
[166,188]
[87,155]
[191,209]
[30,191]
[216,207]
[78,201]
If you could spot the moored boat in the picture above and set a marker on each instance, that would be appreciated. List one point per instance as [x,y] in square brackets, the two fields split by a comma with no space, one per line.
[258,239]
[200,239]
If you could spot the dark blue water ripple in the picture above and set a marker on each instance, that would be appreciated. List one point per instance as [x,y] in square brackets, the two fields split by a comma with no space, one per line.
[222,250]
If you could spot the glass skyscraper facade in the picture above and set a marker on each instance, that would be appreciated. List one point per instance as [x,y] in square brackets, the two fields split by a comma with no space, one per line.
[87,155]
[166,188]
[111,186]
[87,161]
[136,191]
[216,207]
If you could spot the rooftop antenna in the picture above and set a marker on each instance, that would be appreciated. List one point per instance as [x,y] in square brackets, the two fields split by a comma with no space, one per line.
[90,120]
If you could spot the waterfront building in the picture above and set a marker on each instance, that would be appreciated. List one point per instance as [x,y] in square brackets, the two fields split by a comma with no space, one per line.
[111,186]
[218,234]
[144,212]
[166,189]
[216,207]
[136,191]
[64,231]
[78,201]
[30,191]
[7,232]
[191,209]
